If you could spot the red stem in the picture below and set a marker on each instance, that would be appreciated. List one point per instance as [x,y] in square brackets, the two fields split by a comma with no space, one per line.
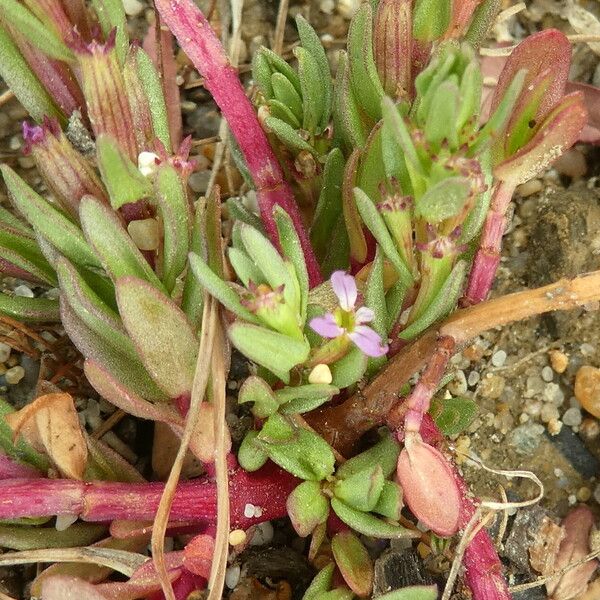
[487,258]
[200,43]
[266,489]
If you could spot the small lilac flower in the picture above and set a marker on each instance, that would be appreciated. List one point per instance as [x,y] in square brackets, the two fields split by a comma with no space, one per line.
[346,321]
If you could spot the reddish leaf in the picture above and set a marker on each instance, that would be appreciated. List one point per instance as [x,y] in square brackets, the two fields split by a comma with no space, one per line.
[63,587]
[198,554]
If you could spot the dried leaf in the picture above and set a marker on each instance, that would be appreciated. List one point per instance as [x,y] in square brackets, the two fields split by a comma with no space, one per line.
[63,587]
[51,423]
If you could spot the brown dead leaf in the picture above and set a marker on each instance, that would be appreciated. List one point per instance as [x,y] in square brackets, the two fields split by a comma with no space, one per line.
[51,425]
[543,551]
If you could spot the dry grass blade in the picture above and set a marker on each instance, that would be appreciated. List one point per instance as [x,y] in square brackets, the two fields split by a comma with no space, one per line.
[119,560]
[216,580]
[3,596]
[280,26]
[209,322]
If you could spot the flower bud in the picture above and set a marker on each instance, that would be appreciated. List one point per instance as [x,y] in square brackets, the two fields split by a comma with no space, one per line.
[66,172]
[392,47]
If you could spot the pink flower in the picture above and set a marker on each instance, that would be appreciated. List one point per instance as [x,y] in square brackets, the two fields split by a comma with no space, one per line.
[346,321]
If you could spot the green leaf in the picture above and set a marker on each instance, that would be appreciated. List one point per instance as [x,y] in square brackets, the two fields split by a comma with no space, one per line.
[481,21]
[414,592]
[174,209]
[21,250]
[385,453]
[192,301]
[304,398]
[453,415]
[9,219]
[288,136]
[374,222]
[301,452]
[238,212]
[307,507]
[153,89]
[292,249]
[364,78]
[441,305]
[431,19]
[361,490]
[276,64]
[19,537]
[321,583]
[219,289]
[311,42]
[121,177]
[471,86]
[111,14]
[285,93]
[354,562]
[262,72]
[444,200]
[19,450]
[16,73]
[30,310]
[441,123]
[394,122]
[130,373]
[366,523]
[336,594]
[394,300]
[348,370]
[375,300]
[389,504]
[282,112]
[119,255]
[269,261]
[257,390]
[96,315]
[34,31]
[251,456]
[48,221]
[313,90]
[348,126]
[244,268]
[164,338]
[276,352]
[329,205]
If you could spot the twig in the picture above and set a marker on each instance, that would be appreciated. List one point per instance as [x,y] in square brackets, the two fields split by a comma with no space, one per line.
[6,96]
[280,26]
[108,424]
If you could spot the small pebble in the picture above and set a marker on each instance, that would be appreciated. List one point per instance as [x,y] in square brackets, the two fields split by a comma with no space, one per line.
[249,510]
[589,429]
[587,389]
[320,374]
[587,349]
[473,378]
[549,412]
[572,417]
[327,6]
[533,407]
[199,181]
[584,494]
[237,537]
[458,385]
[232,576]
[597,493]
[14,375]
[554,394]
[347,8]
[558,472]
[523,418]
[263,534]
[23,291]
[554,426]
[572,499]
[535,386]
[559,361]
[133,7]
[499,358]
[492,386]
[533,186]
[147,163]
[4,352]
[145,233]
[547,374]
[525,438]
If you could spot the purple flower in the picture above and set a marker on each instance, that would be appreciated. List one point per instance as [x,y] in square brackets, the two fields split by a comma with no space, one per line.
[346,321]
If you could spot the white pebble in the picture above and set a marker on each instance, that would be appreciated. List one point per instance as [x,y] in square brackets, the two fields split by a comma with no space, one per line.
[347,8]
[549,412]
[553,393]
[572,417]
[232,576]
[320,374]
[145,233]
[558,472]
[63,522]
[473,378]
[147,163]
[258,511]
[327,6]
[23,291]
[14,375]
[597,494]
[499,358]
[4,352]
[249,510]
[572,500]
[587,349]
[133,7]
[547,374]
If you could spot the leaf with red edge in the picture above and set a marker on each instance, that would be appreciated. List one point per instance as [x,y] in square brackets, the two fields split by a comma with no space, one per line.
[198,555]
[354,562]
[559,132]
[536,53]
[429,487]
[575,545]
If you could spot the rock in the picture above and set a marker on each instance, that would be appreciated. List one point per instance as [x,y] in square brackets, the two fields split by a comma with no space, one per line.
[525,438]
[492,386]
[574,450]
[559,361]
[572,417]
[587,389]
[395,570]
[14,375]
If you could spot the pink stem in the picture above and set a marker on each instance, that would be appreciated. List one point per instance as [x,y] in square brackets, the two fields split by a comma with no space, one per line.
[11,469]
[487,258]
[266,489]
[200,43]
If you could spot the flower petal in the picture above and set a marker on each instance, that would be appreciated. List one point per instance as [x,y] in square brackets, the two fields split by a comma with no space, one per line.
[344,287]
[363,315]
[326,326]
[368,340]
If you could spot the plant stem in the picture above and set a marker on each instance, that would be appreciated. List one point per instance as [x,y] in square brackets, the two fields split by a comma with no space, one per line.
[195,501]
[200,43]
[487,258]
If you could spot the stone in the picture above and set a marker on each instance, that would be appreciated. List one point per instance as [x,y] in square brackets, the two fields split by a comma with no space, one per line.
[492,386]
[572,417]
[499,358]
[14,375]
[145,233]
[525,438]
[4,352]
[587,389]
[559,361]
[547,374]
[394,570]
